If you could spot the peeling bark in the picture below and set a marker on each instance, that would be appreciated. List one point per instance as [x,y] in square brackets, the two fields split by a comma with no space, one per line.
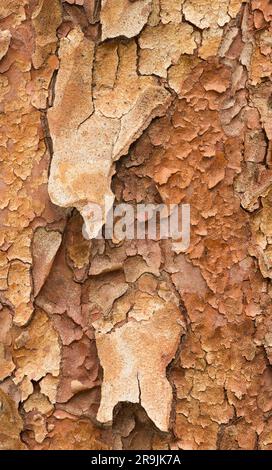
[145,101]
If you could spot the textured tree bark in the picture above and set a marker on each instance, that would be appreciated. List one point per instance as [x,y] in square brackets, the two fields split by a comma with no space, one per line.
[109,344]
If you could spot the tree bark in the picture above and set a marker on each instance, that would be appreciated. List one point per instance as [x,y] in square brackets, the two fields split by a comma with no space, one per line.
[133,344]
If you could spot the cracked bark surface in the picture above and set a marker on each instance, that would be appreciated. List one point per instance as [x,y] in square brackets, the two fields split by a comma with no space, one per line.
[145,101]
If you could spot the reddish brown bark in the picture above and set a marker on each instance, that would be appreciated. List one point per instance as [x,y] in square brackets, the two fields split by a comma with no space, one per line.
[146,101]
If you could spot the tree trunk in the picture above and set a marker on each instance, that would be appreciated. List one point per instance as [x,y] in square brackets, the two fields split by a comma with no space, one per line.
[141,343]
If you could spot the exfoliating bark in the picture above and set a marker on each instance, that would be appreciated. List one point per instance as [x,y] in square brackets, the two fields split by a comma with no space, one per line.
[135,344]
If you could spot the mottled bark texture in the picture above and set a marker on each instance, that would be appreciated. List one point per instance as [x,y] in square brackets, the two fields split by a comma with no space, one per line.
[129,345]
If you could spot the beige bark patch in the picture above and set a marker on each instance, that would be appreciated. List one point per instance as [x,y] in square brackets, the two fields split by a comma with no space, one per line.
[211,39]
[19,292]
[170,11]
[36,349]
[154,17]
[44,248]
[39,403]
[123,17]
[134,357]
[48,386]
[117,84]
[162,46]
[73,101]
[88,140]
[206,13]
